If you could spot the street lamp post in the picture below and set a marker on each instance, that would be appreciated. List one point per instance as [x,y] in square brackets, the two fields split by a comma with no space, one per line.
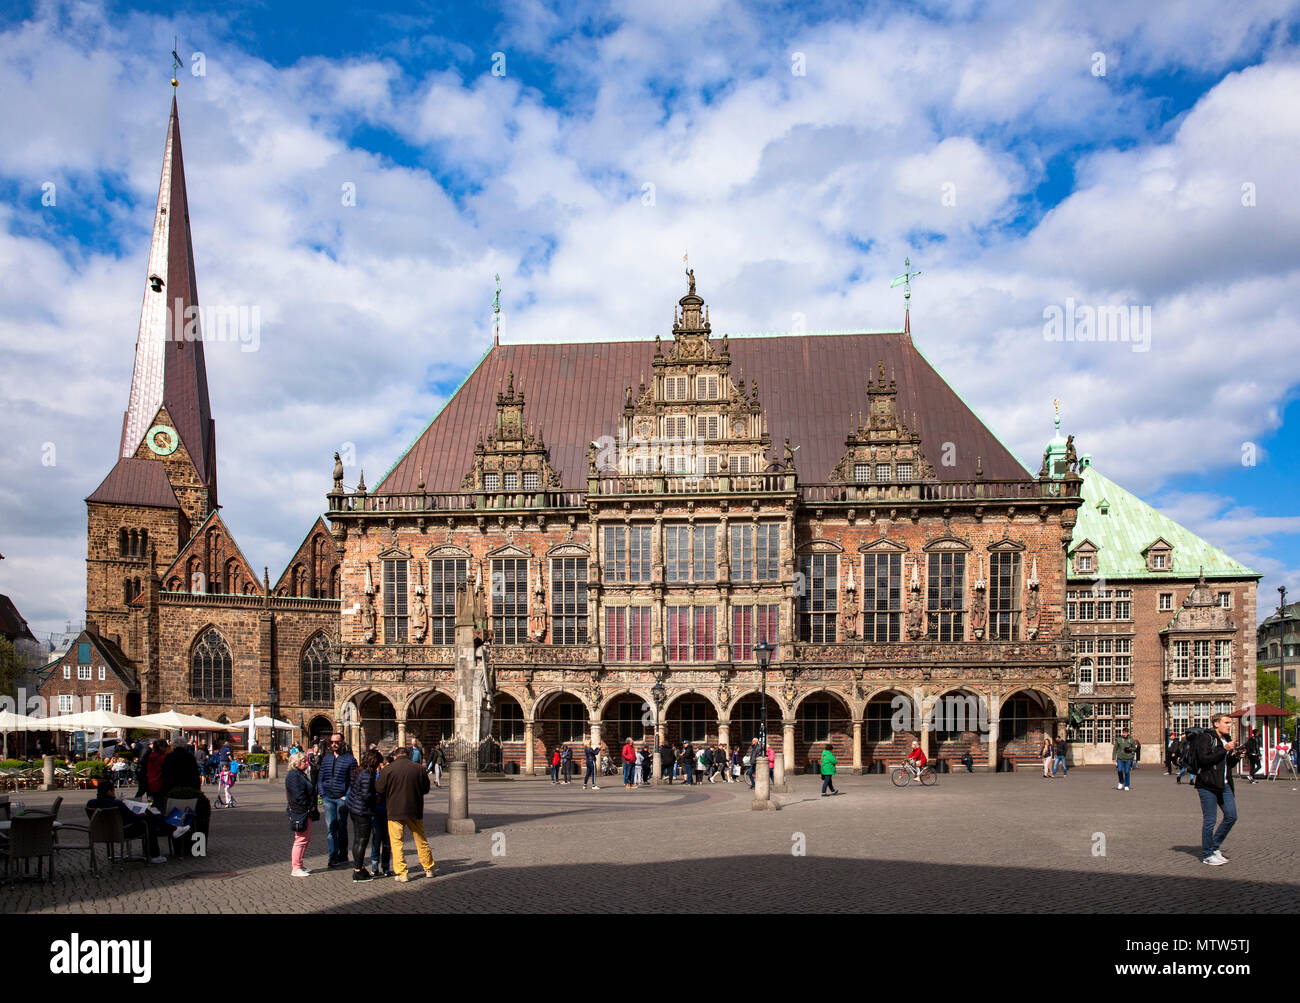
[272,764]
[764,652]
[1281,660]
[762,779]
[658,692]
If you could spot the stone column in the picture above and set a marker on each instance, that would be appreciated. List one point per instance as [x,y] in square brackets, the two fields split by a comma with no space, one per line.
[994,714]
[458,821]
[926,721]
[47,774]
[857,747]
[595,734]
[785,761]
[528,748]
[724,733]
[401,731]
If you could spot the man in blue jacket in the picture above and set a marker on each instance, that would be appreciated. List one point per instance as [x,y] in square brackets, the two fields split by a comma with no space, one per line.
[337,768]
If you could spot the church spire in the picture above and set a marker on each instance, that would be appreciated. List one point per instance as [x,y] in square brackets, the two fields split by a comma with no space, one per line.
[169,369]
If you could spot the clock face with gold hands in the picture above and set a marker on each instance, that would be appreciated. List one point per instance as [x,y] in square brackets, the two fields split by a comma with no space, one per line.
[162,439]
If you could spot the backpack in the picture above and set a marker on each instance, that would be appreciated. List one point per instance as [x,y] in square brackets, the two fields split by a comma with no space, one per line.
[1187,755]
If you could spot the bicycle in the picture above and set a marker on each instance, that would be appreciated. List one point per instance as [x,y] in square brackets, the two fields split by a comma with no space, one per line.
[903,775]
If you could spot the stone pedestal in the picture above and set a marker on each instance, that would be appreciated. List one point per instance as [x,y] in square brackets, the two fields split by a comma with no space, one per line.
[458,821]
[857,747]
[762,788]
[272,766]
[47,774]
[528,749]
[779,784]
[657,769]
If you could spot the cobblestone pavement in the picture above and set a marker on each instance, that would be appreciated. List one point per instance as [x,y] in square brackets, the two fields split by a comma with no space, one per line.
[973,843]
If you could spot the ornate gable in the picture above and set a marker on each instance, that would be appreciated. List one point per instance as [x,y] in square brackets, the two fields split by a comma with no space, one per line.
[883,448]
[211,562]
[1201,611]
[694,417]
[313,571]
[513,457]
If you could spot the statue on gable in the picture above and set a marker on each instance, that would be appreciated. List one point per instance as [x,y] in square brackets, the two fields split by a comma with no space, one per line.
[369,619]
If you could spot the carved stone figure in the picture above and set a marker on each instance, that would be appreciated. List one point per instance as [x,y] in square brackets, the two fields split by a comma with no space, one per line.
[1071,457]
[1032,611]
[690,274]
[788,457]
[338,473]
[979,614]
[419,617]
[368,619]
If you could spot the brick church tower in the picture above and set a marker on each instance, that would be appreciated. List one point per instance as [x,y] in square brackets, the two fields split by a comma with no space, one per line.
[164,483]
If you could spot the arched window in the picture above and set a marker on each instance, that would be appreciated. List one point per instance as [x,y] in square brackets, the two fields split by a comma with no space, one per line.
[134,545]
[334,582]
[210,668]
[126,590]
[144,543]
[123,543]
[137,589]
[317,687]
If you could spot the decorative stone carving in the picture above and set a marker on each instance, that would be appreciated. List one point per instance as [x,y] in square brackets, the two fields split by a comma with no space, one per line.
[850,609]
[914,619]
[369,619]
[1032,606]
[979,607]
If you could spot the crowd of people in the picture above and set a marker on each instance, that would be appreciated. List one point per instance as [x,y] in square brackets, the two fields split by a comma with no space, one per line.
[378,797]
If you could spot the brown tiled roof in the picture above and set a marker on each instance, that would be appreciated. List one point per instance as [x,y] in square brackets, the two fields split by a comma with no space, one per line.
[136,482]
[808,387]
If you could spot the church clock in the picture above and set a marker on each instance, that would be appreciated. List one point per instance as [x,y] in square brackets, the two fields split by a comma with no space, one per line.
[162,439]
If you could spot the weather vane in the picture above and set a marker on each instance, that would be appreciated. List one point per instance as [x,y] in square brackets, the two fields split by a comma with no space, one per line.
[905,280]
[177,62]
[496,300]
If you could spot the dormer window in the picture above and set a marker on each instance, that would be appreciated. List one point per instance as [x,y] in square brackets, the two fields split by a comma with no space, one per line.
[1084,562]
[1158,561]
[511,481]
[862,472]
[882,471]
[674,388]
[706,388]
[491,482]
[904,471]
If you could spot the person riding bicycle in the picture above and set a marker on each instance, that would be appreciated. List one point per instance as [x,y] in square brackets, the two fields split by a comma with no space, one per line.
[916,759]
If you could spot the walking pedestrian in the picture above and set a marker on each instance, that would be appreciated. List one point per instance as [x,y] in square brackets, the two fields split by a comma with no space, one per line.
[666,762]
[629,760]
[1216,755]
[589,755]
[1137,752]
[1171,753]
[735,764]
[1122,752]
[404,785]
[381,850]
[647,765]
[439,759]
[1060,757]
[1251,749]
[301,795]
[337,768]
[753,760]
[636,769]
[688,763]
[360,803]
[828,771]
[1045,751]
[771,763]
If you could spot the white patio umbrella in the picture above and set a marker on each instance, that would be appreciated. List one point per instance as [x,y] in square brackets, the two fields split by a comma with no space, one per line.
[252,728]
[10,722]
[262,722]
[93,720]
[173,720]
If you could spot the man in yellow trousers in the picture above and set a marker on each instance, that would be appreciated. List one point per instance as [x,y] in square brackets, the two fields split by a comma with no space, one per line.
[403,786]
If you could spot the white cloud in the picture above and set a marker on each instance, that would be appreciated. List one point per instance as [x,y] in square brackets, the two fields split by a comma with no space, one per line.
[775,183]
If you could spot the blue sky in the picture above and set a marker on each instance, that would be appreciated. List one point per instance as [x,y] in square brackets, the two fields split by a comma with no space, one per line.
[980,139]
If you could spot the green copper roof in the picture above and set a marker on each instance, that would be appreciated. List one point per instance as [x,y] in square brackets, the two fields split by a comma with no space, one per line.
[1129,526]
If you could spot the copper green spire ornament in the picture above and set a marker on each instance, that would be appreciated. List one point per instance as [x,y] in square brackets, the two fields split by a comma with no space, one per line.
[905,280]
[496,313]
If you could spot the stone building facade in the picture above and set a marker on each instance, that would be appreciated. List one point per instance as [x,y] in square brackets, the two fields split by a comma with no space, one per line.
[625,573]
[1163,623]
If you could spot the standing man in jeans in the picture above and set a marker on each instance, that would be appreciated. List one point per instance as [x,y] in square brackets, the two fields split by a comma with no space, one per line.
[1123,752]
[1060,758]
[629,762]
[1215,758]
[337,768]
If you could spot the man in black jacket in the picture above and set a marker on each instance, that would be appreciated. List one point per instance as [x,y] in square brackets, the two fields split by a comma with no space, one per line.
[1251,749]
[337,768]
[403,786]
[1216,755]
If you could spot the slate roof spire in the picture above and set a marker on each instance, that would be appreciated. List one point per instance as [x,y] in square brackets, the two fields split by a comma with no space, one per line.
[169,368]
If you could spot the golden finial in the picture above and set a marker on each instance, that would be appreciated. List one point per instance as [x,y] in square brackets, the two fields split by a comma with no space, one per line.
[177,62]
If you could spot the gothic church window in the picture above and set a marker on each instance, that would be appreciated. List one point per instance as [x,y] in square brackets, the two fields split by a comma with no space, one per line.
[316,684]
[211,668]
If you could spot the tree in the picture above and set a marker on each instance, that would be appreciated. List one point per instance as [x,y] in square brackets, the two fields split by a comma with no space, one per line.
[1268,691]
[10,666]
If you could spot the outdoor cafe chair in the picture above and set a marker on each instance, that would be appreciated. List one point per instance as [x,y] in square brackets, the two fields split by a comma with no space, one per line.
[31,834]
[106,827]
